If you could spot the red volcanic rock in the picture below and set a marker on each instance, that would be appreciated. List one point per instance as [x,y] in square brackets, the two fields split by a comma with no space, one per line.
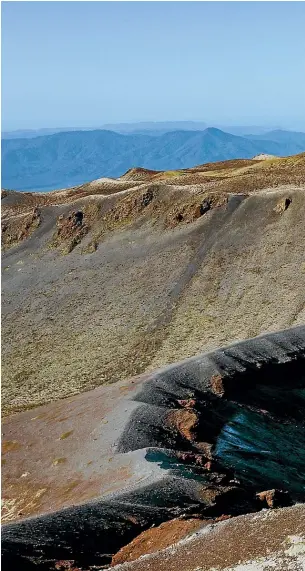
[192,458]
[187,403]
[197,460]
[274,498]
[208,465]
[184,421]
[65,565]
[222,517]
[206,448]
[217,385]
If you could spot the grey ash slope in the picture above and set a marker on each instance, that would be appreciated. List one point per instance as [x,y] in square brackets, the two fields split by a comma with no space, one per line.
[66,159]
[193,278]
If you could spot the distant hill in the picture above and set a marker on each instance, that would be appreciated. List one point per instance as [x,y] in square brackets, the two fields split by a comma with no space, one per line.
[71,158]
[160,127]
[153,128]
[287,139]
[156,126]
[31,133]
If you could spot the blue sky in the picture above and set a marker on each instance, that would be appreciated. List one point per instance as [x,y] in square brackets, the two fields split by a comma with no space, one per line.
[88,63]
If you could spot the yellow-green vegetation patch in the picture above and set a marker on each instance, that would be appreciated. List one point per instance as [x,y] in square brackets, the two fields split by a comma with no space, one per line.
[10,446]
[70,487]
[174,173]
[91,247]
[58,461]
[66,434]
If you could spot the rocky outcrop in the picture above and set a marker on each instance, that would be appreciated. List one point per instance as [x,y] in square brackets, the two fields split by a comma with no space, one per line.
[16,230]
[70,231]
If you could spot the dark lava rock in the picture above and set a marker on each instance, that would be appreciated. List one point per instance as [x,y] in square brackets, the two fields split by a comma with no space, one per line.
[204,207]
[147,197]
[78,217]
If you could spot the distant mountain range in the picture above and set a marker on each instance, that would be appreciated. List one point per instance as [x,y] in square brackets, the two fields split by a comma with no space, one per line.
[71,158]
[162,127]
[154,128]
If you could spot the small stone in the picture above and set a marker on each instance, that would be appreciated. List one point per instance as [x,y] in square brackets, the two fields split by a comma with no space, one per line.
[64,564]
[283,205]
[274,498]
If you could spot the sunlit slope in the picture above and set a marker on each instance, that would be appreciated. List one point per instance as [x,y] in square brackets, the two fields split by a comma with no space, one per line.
[117,277]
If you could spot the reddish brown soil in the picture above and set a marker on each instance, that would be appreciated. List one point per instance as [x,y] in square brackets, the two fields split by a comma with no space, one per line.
[231,543]
[156,538]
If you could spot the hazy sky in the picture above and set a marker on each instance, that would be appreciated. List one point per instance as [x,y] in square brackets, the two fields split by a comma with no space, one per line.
[88,63]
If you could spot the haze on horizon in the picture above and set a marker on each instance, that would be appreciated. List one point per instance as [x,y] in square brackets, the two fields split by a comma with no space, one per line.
[83,64]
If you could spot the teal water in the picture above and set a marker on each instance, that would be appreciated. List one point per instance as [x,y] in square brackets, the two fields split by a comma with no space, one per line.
[168,462]
[264,452]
